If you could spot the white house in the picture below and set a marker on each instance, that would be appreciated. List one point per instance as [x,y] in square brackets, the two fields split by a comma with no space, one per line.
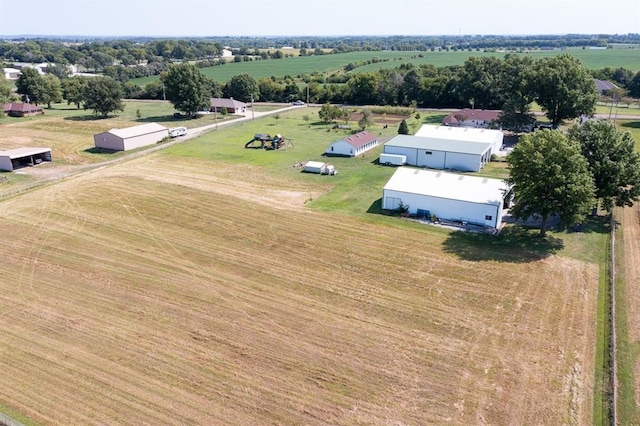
[131,137]
[463,134]
[354,145]
[440,154]
[450,196]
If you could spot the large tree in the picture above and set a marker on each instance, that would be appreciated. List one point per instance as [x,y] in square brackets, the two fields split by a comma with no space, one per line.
[613,161]
[479,82]
[52,90]
[187,88]
[565,89]
[73,90]
[242,87]
[516,85]
[103,95]
[550,176]
[5,90]
[31,86]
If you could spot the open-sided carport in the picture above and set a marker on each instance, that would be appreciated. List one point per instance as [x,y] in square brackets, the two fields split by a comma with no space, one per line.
[22,157]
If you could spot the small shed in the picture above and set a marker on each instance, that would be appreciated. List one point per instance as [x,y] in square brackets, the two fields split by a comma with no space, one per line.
[353,145]
[131,137]
[314,167]
[23,157]
[449,196]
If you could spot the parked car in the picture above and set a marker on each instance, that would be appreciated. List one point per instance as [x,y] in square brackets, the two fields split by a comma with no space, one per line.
[297,103]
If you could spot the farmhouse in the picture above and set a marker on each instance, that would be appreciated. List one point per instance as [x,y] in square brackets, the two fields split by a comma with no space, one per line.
[22,157]
[483,118]
[440,154]
[131,137]
[354,145]
[231,105]
[20,109]
[449,196]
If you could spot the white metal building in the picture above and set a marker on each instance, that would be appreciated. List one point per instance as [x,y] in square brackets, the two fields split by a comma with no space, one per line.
[463,134]
[449,196]
[131,137]
[354,145]
[439,153]
[20,157]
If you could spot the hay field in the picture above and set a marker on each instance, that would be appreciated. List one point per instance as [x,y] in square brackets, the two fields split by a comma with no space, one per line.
[182,291]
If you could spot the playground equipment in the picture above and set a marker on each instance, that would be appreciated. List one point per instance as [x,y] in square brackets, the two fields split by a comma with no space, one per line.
[266,141]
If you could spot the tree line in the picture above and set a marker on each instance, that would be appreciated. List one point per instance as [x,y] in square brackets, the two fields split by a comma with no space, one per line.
[560,85]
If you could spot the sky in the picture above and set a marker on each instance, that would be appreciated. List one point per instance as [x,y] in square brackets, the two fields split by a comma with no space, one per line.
[201,18]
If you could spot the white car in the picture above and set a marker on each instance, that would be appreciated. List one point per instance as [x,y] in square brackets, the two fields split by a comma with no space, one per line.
[297,103]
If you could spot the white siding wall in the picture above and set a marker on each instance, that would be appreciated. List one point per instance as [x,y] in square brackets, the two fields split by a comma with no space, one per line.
[485,214]
[431,159]
[341,148]
[144,140]
[108,140]
[463,162]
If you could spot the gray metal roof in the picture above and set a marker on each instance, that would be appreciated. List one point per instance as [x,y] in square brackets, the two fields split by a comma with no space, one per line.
[431,144]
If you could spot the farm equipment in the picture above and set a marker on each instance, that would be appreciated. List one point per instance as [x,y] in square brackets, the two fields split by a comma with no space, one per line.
[266,141]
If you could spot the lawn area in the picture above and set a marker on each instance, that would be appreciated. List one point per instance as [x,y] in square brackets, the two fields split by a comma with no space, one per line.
[69,131]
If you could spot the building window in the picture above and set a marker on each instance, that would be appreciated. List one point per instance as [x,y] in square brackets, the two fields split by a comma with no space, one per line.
[488,217]
[428,152]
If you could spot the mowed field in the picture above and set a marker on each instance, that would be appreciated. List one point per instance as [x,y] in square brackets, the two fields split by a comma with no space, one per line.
[175,290]
[330,63]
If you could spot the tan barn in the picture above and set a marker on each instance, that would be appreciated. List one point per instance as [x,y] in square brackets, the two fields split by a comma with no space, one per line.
[131,137]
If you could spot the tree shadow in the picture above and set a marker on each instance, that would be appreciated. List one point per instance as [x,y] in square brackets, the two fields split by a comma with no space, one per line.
[631,124]
[89,117]
[515,244]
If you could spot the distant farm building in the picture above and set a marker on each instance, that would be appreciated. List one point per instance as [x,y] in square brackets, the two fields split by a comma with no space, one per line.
[22,157]
[449,196]
[11,73]
[231,105]
[483,118]
[131,137]
[20,109]
[440,147]
[604,87]
[354,145]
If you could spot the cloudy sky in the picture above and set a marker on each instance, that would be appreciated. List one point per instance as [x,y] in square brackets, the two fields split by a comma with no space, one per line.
[317,17]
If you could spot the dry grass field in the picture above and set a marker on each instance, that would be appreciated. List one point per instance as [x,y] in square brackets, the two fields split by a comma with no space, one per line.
[165,290]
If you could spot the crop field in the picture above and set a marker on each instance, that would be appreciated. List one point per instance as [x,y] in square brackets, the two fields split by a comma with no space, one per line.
[173,289]
[212,284]
[592,59]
